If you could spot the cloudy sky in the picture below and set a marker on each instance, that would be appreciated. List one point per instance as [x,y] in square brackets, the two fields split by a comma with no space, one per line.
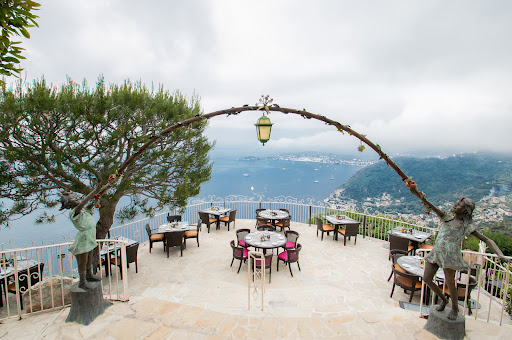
[411,75]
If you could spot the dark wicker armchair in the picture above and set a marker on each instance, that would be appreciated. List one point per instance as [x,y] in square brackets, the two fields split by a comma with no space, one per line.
[408,282]
[239,253]
[230,218]
[154,237]
[461,291]
[289,256]
[240,236]
[400,243]
[175,239]
[284,223]
[266,227]
[131,257]
[206,219]
[349,231]
[173,218]
[320,226]
[193,233]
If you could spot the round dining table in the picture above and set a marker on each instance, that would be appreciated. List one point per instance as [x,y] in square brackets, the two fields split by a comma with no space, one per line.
[273,215]
[271,240]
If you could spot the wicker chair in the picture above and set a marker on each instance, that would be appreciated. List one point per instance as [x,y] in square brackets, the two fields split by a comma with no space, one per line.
[259,210]
[289,256]
[408,282]
[154,237]
[395,254]
[266,227]
[173,218]
[268,265]
[175,239]
[131,257]
[349,231]
[240,236]
[320,226]
[400,243]
[193,233]
[461,291]
[230,218]
[261,221]
[284,223]
[291,237]
[206,219]
[239,253]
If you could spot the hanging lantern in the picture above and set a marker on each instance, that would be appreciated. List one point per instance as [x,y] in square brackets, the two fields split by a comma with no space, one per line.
[263,127]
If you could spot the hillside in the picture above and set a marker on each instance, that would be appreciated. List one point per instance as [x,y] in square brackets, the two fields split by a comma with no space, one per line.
[443,180]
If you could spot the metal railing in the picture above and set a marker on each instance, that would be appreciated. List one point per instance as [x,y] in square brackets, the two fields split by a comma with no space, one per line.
[302,211]
[39,279]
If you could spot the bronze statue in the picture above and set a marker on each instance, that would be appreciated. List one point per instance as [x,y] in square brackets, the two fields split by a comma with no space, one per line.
[85,240]
[447,254]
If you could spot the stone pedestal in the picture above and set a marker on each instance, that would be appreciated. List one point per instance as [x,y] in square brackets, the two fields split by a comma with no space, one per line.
[87,304]
[444,328]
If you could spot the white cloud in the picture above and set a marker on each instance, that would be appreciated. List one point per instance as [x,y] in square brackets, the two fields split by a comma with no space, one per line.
[410,75]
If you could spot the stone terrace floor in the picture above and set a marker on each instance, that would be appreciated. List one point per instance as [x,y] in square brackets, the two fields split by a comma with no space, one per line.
[342,292]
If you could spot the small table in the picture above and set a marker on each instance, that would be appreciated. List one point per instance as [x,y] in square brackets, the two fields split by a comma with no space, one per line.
[172,227]
[217,212]
[416,237]
[339,220]
[273,215]
[276,240]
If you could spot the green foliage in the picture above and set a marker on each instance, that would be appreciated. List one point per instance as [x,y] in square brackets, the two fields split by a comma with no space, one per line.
[502,241]
[471,243]
[443,180]
[73,137]
[15,18]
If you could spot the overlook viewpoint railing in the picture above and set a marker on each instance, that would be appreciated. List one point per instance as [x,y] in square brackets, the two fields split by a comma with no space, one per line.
[493,277]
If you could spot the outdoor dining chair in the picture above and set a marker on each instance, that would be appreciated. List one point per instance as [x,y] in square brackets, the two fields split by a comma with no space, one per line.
[266,227]
[320,226]
[349,231]
[256,263]
[131,257]
[26,279]
[408,282]
[259,210]
[395,254]
[461,291]
[261,221]
[157,237]
[228,219]
[400,243]
[239,253]
[206,219]
[291,239]
[193,233]
[284,223]
[240,236]
[173,218]
[175,239]
[289,256]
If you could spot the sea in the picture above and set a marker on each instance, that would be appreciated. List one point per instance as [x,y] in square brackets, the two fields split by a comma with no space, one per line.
[301,177]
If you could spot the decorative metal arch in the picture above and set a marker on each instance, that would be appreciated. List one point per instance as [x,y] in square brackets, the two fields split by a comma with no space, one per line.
[275,108]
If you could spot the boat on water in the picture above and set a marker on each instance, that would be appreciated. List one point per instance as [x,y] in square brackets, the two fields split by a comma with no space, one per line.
[315,181]
[332,178]
[246,174]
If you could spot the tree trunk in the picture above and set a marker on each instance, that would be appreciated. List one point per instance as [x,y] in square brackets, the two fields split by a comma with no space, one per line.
[103,225]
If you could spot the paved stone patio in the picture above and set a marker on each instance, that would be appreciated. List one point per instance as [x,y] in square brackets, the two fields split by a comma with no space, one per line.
[341,292]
